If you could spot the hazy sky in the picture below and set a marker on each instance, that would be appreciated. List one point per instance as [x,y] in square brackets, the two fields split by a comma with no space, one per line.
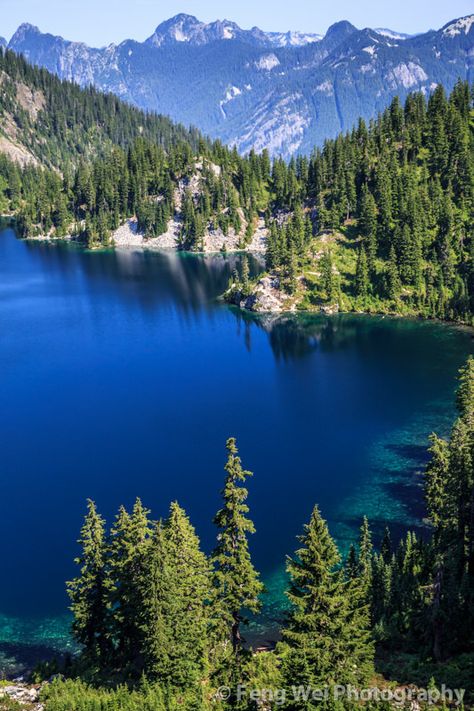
[100,22]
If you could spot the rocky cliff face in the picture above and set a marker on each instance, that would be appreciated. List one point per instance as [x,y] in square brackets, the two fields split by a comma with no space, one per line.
[254,89]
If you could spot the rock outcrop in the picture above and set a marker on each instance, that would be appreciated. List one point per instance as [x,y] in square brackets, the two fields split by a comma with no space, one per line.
[26,696]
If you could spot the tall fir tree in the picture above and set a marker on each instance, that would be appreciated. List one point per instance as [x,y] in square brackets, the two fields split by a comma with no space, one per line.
[326,640]
[89,591]
[237,584]
[130,539]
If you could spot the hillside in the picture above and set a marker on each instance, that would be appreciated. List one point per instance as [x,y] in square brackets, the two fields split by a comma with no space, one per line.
[378,220]
[46,121]
[381,218]
[125,170]
[284,92]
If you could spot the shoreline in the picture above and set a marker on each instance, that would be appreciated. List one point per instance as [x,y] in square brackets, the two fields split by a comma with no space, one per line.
[322,310]
[341,312]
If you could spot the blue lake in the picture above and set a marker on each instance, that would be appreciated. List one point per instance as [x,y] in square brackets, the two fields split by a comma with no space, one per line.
[122,376]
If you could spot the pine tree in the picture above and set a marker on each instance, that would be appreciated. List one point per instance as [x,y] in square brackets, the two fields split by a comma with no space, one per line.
[128,562]
[465,394]
[365,554]
[393,284]
[352,563]
[450,499]
[362,274]
[189,592]
[326,640]
[368,223]
[245,275]
[327,275]
[386,545]
[89,591]
[237,584]
[154,614]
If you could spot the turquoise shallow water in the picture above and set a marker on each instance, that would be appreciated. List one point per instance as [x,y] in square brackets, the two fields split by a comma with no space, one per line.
[122,375]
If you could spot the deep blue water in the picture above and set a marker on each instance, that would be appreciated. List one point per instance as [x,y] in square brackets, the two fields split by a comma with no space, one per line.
[122,376]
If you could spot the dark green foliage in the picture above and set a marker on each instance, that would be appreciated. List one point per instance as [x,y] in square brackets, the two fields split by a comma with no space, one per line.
[89,592]
[128,552]
[404,188]
[237,584]
[148,601]
[423,594]
[186,582]
[326,639]
[362,283]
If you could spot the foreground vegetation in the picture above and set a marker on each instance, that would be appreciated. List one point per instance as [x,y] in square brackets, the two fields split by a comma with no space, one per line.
[161,623]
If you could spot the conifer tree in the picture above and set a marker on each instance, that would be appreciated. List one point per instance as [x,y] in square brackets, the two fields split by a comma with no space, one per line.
[154,614]
[326,640]
[89,591]
[189,591]
[352,563]
[362,274]
[393,285]
[237,584]
[245,275]
[365,554]
[327,276]
[128,555]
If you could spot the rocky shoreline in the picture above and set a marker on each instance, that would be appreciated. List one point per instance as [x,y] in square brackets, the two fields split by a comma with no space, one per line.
[128,236]
[267,296]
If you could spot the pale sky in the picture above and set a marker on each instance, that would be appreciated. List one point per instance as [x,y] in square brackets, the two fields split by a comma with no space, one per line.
[100,22]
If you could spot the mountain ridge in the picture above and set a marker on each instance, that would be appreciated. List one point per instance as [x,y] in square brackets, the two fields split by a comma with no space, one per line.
[254,89]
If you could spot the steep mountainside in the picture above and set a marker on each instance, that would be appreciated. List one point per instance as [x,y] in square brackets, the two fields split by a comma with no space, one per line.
[55,123]
[287,92]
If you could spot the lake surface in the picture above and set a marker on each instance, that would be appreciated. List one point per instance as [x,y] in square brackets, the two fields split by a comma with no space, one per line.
[122,376]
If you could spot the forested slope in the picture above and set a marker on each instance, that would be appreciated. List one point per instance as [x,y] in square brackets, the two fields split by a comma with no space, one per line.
[58,124]
[379,219]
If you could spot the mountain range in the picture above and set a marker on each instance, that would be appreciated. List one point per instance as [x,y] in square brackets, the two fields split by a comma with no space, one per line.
[286,92]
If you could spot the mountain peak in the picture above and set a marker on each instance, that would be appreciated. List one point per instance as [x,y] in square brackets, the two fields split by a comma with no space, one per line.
[175,29]
[342,29]
[462,26]
[25,30]
[292,38]
[188,29]
[180,20]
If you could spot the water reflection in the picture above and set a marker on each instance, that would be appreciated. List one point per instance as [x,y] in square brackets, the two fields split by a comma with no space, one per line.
[190,282]
[298,336]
